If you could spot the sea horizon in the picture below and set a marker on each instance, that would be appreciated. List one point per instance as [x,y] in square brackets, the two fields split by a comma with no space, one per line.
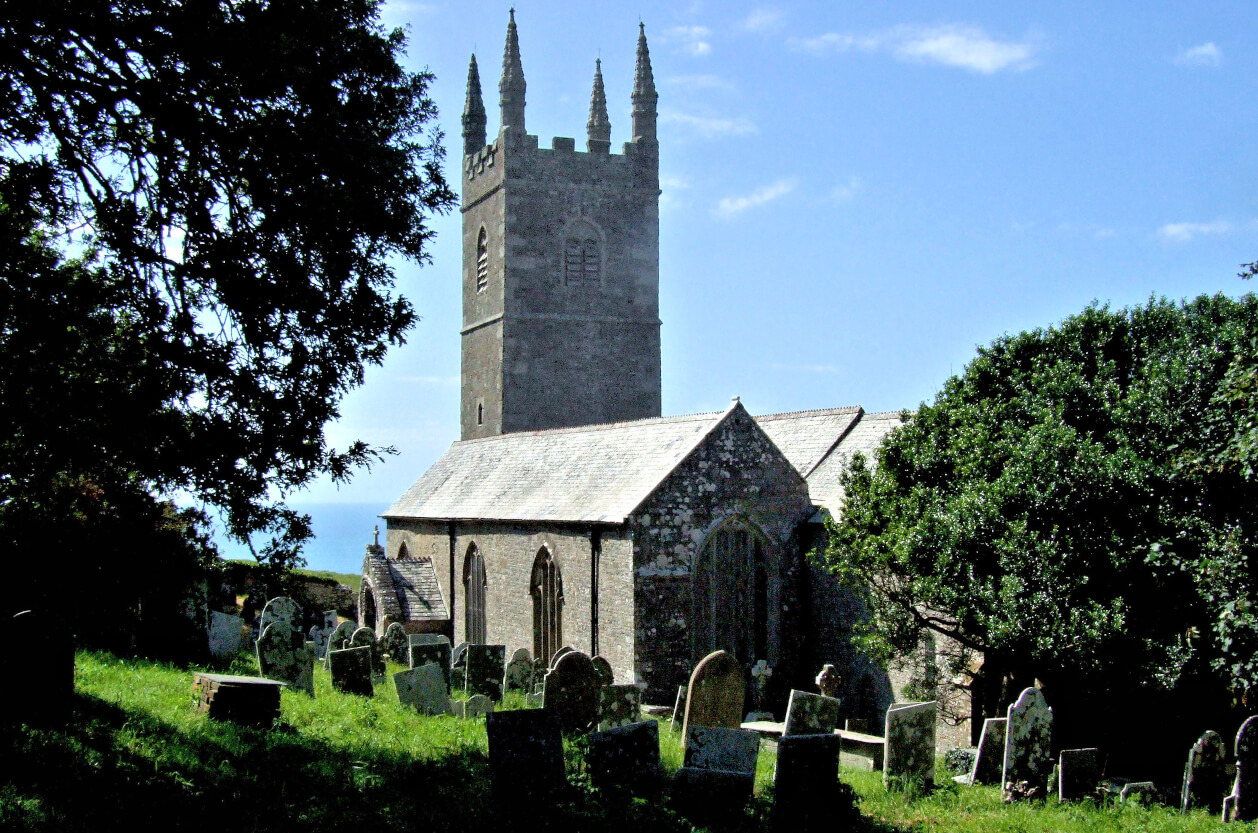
[342,532]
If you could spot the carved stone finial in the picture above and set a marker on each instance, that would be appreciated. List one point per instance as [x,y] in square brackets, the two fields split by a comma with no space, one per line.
[598,128]
[474,119]
[376,535]
[511,88]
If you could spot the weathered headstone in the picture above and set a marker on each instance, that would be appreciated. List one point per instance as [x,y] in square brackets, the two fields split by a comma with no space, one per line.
[519,676]
[38,685]
[477,705]
[366,638]
[715,696]
[319,639]
[1242,803]
[618,705]
[811,714]
[285,656]
[1139,792]
[396,644]
[1078,771]
[679,710]
[458,664]
[429,647]
[485,667]
[283,611]
[626,758]
[226,633]
[719,773]
[804,781]
[525,755]
[423,689]
[730,750]
[1028,758]
[829,681]
[339,638]
[989,763]
[1205,775]
[910,743]
[554,658]
[572,692]
[350,669]
[603,669]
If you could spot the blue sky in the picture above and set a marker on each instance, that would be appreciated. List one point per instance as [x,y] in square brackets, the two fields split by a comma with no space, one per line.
[856,195]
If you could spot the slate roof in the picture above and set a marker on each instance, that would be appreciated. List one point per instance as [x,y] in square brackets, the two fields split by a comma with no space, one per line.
[864,436]
[589,474]
[406,589]
[806,437]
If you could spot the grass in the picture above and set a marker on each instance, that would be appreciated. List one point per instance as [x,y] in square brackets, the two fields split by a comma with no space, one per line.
[136,753]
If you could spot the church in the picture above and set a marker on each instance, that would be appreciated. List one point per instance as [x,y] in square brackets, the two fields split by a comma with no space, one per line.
[571,512]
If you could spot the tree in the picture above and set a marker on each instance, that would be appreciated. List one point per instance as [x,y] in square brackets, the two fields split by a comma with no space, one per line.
[200,206]
[1054,509]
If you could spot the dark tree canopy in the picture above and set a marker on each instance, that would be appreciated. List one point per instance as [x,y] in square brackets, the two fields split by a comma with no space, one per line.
[200,204]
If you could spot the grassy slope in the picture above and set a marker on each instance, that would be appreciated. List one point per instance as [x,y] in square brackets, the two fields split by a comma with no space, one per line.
[137,754]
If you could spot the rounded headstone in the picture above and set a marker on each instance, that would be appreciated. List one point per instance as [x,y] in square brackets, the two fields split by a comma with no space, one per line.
[396,644]
[554,658]
[572,692]
[603,669]
[715,696]
[281,611]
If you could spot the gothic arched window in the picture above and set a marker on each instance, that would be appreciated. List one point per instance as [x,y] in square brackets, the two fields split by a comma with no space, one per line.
[474,586]
[482,260]
[729,585]
[546,587]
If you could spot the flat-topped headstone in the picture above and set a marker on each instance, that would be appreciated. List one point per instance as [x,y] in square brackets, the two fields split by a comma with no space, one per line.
[626,757]
[249,701]
[719,774]
[350,669]
[226,633]
[716,692]
[603,669]
[477,705]
[281,611]
[38,687]
[519,674]
[989,762]
[730,750]
[486,665]
[554,658]
[811,714]
[283,655]
[1028,745]
[909,752]
[525,755]
[805,780]
[434,648]
[619,705]
[1242,803]
[572,692]
[679,710]
[423,689]
[1078,772]
[339,638]
[396,644]
[1205,775]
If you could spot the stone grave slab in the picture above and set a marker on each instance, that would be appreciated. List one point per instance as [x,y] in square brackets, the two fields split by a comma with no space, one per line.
[283,655]
[339,638]
[626,757]
[619,705]
[1242,803]
[38,684]
[811,714]
[525,756]
[732,750]
[249,701]
[804,781]
[396,644]
[350,669]
[719,774]
[909,752]
[1205,775]
[603,669]
[1028,744]
[716,692]
[486,665]
[423,689]
[282,611]
[989,762]
[679,710]
[435,648]
[1078,772]
[572,692]
[519,673]
[477,705]
[226,633]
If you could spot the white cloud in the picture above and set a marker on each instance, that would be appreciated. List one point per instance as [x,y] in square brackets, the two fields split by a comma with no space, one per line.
[847,191]
[729,206]
[696,83]
[1185,232]
[834,42]
[709,127]
[954,45]
[763,20]
[1202,55]
[671,182]
[690,39]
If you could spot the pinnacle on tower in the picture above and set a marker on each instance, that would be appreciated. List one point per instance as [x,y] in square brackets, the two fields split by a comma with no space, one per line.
[511,87]
[644,96]
[473,112]
[598,128]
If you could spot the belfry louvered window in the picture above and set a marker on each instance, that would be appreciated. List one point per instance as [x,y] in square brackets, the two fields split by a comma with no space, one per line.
[475,585]
[482,261]
[729,586]
[582,263]
[546,586]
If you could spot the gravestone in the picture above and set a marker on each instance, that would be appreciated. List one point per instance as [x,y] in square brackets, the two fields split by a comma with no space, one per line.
[1028,745]
[989,763]
[603,669]
[909,752]
[458,664]
[719,774]
[729,750]
[1205,775]
[423,689]
[283,611]
[350,669]
[572,692]
[519,675]
[805,780]
[811,714]
[339,638]
[618,705]
[554,658]
[285,656]
[1139,792]
[541,665]
[829,681]
[430,647]
[1242,803]
[679,710]
[626,758]
[319,640]
[1078,771]
[226,633]
[396,644]
[525,756]
[485,667]
[715,696]
[249,701]
[366,638]
[330,618]
[38,686]
[477,705]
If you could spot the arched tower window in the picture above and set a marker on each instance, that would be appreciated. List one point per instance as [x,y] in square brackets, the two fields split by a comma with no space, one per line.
[582,260]
[474,586]
[729,586]
[546,587]
[482,260]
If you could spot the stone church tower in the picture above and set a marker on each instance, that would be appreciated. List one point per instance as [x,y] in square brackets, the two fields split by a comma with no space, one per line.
[561,321]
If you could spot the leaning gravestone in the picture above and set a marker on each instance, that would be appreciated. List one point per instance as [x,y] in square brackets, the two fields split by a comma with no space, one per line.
[477,705]
[909,752]
[679,710]
[283,655]
[350,669]
[226,634]
[989,763]
[805,780]
[485,667]
[423,689]
[811,714]
[1078,771]
[395,644]
[1242,804]
[1028,745]
[340,638]
[618,705]
[626,758]
[434,648]
[38,688]
[715,695]
[519,675]
[604,670]
[572,692]
[283,611]
[719,773]
[1205,775]
[526,761]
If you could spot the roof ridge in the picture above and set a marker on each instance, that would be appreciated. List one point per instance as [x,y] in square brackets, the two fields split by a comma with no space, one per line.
[884,414]
[844,409]
[599,426]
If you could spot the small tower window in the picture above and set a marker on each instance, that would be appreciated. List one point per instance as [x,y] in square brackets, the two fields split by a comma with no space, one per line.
[480,413]
[482,260]
[581,262]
